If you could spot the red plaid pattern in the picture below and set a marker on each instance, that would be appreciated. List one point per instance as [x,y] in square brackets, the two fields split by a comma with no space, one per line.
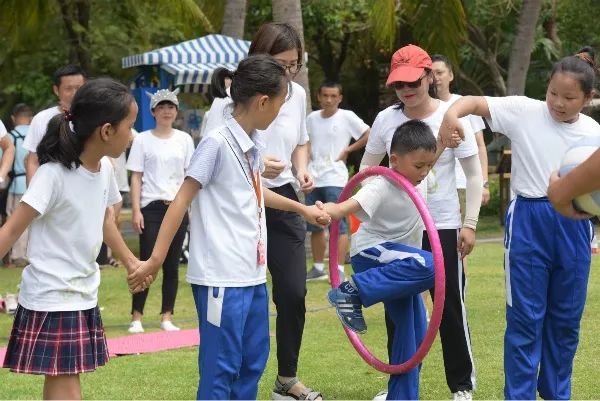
[56,343]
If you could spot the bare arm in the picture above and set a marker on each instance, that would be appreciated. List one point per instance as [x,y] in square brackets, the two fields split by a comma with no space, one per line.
[340,210]
[137,220]
[312,214]
[464,106]
[114,240]
[31,165]
[15,225]
[300,158]
[8,156]
[170,224]
[359,144]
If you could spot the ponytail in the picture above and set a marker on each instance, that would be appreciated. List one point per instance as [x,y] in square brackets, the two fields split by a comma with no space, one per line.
[60,144]
[98,102]
[217,82]
[582,65]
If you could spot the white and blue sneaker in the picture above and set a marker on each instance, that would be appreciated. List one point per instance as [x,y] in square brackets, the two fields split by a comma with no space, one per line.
[348,306]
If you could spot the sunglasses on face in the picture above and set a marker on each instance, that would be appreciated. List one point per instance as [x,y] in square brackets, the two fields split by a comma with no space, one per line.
[413,85]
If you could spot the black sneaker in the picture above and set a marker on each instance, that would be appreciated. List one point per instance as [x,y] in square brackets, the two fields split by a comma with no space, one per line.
[315,274]
[348,307]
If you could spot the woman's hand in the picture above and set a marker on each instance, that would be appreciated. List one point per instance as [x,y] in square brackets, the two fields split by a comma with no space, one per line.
[137,221]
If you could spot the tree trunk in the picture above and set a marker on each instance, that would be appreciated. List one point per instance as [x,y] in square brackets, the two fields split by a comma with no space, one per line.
[290,11]
[76,16]
[234,18]
[520,54]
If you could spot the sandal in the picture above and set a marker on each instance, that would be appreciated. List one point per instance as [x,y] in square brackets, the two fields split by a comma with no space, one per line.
[281,391]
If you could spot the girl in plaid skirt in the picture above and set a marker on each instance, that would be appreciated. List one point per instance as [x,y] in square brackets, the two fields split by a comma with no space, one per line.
[57,331]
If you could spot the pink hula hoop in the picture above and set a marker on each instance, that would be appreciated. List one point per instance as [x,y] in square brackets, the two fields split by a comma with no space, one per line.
[438,259]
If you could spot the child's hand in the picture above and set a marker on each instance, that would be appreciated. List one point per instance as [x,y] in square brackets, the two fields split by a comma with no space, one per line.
[131,264]
[316,214]
[563,206]
[451,131]
[142,276]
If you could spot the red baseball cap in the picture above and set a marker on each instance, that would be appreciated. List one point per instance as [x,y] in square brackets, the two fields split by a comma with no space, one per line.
[408,64]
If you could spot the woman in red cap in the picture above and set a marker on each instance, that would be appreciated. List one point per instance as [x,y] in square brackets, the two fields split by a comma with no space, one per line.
[412,78]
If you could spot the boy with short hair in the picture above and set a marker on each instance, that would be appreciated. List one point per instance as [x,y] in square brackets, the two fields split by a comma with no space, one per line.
[330,130]
[389,265]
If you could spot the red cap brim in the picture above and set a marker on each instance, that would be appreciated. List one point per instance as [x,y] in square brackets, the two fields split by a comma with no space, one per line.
[404,73]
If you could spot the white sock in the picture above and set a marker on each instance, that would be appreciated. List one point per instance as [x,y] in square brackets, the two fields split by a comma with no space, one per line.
[319,266]
[341,268]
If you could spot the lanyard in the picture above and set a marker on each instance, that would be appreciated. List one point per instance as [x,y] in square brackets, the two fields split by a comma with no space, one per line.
[256,185]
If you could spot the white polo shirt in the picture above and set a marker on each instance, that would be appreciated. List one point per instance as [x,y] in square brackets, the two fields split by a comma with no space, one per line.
[287,131]
[477,125]
[388,215]
[442,198]
[224,215]
[64,240]
[162,161]
[328,138]
[538,141]
[38,128]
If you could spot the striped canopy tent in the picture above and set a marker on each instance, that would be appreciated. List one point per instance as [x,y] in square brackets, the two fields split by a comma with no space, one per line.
[190,64]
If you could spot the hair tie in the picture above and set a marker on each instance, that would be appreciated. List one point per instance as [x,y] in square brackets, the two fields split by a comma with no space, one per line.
[68,116]
[583,56]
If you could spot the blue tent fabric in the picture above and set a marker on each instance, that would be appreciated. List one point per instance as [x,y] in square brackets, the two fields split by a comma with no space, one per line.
[214,48]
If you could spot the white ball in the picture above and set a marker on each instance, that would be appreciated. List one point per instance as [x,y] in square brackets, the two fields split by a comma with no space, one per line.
[577,154]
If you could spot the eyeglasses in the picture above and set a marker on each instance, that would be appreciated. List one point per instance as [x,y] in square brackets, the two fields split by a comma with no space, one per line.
[291,68]
[413,85]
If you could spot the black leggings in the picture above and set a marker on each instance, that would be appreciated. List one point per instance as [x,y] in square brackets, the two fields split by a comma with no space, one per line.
[153,214]
[454,330]
[286,259]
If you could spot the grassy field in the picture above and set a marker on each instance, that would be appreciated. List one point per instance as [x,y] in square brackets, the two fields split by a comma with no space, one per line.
[328,362]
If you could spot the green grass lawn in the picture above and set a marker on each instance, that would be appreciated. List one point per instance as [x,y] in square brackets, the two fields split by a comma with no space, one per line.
[327,362]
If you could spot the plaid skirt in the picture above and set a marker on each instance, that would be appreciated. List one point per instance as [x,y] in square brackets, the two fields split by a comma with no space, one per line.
[56,343]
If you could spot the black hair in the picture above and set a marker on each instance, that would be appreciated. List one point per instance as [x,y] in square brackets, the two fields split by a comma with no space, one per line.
[66,70]
[443,59]
[582,65]
[432,89]
[21,108]
[413,135]
[274,38]
[97,102]
[330,84]
[259,74]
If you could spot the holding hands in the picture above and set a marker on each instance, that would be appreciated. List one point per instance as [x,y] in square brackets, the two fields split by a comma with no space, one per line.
[451,131]
[141,275]
[316,214]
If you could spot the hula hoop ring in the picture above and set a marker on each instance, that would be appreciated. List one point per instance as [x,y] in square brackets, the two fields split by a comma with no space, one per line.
[438,259]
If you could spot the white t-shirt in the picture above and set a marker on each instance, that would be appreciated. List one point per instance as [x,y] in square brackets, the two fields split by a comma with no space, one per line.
[162,161]
[538,141]
[287,131]
[2,130]
[477,125]
[388,215]
[224,215]
[442,198]
[328,138]
[38,128]
[65,239]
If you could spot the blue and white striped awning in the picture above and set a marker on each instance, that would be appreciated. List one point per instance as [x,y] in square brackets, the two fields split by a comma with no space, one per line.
[212,48]
[187,74]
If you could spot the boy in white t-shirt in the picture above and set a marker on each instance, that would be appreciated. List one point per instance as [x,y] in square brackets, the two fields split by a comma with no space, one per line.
[389,265]
[330,130]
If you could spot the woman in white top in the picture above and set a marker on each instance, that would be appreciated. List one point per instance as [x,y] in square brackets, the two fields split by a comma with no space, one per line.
[57,330]
[412,78]
[158,160]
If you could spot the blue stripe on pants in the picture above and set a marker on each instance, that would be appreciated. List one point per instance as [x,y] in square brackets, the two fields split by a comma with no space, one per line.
[234,340]
[547,265]
[396,275]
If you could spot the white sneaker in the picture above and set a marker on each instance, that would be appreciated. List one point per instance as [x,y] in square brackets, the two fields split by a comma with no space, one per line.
[381,396]
[136,327]
[168,325]
[11,304]
[463,395]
